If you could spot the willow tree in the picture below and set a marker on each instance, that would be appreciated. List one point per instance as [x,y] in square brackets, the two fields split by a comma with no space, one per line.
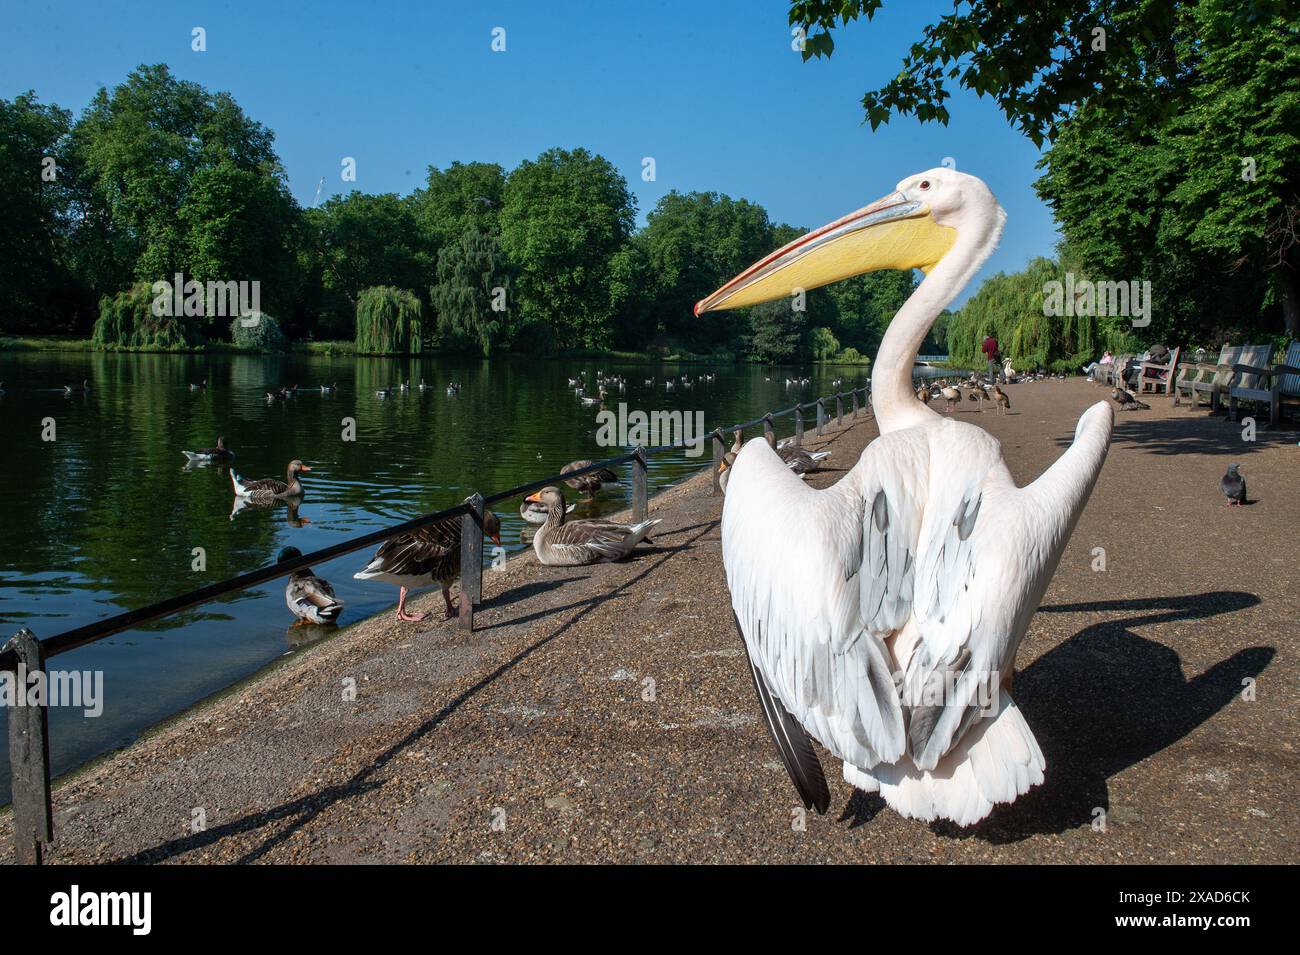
[390,321]
[1011,308]
[472,294]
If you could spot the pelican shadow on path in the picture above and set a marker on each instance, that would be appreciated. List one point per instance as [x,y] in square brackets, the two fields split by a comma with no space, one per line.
[1101,702]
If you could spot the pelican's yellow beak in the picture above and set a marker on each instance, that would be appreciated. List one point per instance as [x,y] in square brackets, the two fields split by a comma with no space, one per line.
[892,233]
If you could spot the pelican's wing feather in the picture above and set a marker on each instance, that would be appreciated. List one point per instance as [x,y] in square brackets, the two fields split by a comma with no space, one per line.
[817,578]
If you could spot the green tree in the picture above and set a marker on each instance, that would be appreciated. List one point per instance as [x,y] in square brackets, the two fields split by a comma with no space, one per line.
[825,346]
[777,331]
[361,241]
[472,294]
[390,321]
[33,273]
[694,242]
[563,219]
[458,199]
[178,179]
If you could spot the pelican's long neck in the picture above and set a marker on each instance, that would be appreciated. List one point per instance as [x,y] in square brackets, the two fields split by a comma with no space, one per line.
[892,396]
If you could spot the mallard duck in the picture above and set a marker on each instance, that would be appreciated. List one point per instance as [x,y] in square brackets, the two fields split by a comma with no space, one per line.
[201,386]
[219,453]
[535,513]
[589,484]
[561,543]
[310,598]
[416,560]
[267,489]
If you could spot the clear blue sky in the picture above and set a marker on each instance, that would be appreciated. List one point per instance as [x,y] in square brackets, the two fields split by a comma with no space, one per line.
[712,91]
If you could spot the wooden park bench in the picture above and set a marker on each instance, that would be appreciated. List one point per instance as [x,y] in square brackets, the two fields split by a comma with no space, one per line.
[1259,381]
[1113,373]
[1150,374]
[1198,378]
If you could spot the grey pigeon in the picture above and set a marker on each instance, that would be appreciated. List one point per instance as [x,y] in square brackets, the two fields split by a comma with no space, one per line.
[1233,486]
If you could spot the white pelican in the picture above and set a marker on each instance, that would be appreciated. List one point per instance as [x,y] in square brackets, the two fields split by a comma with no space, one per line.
[882,615]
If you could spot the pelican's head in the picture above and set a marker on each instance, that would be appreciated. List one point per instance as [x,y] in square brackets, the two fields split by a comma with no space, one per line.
[911,228]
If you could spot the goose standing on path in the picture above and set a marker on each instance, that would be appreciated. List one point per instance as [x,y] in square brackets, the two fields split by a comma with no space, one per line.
[269,489]
[423,557]
[925,560]
[1000,400]
[561,543]
[309,598]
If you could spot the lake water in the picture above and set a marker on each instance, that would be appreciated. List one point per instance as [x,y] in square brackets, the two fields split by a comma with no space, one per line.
[105,517]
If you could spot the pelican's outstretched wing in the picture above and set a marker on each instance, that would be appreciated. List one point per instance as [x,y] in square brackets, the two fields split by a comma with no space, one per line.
[985,555]
[818,579]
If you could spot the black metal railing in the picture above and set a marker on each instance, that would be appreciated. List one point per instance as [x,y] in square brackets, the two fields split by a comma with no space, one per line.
[28,725]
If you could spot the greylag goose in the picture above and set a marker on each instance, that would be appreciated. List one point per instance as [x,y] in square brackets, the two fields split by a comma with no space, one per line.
[416,560]
[535,513]
[310,598]
[219,453]
[589,484]
[268,489]
[561,543]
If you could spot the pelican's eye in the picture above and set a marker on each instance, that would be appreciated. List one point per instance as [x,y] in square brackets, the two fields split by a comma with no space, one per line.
[925,184]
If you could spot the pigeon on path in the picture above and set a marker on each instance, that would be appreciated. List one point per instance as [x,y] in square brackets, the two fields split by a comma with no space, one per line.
[1233,486]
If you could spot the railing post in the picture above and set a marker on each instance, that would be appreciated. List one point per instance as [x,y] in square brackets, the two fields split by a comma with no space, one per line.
[798,425]
[853,397]
[717,461]
[29,757]
[640,502]
[839,410]
[471,560]
[769,430]
[821,415]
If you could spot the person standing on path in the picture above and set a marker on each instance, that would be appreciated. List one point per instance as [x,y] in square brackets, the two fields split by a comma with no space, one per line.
[990,349]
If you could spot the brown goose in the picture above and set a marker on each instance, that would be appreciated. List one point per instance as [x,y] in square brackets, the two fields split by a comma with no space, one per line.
[589,484]
[219,453]
[1000,400]
[267,489]
[416,560]
[561,543]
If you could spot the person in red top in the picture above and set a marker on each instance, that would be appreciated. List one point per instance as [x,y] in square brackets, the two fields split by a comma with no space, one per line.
[990,349]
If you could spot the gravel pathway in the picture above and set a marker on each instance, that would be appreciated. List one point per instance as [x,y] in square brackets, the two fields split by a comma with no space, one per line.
[605,713]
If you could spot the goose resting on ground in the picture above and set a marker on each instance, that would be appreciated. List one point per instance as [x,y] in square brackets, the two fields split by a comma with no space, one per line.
[561,543]
[310,598]
[219,453]
[882,615]
[419,559]
[589,484]
[267,489]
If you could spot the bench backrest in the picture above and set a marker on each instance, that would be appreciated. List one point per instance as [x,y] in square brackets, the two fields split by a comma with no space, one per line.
[1229,356]
[1257,356]
[1290,384]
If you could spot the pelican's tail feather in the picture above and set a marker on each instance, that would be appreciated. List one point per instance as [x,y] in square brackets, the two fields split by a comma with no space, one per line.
[997,761]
